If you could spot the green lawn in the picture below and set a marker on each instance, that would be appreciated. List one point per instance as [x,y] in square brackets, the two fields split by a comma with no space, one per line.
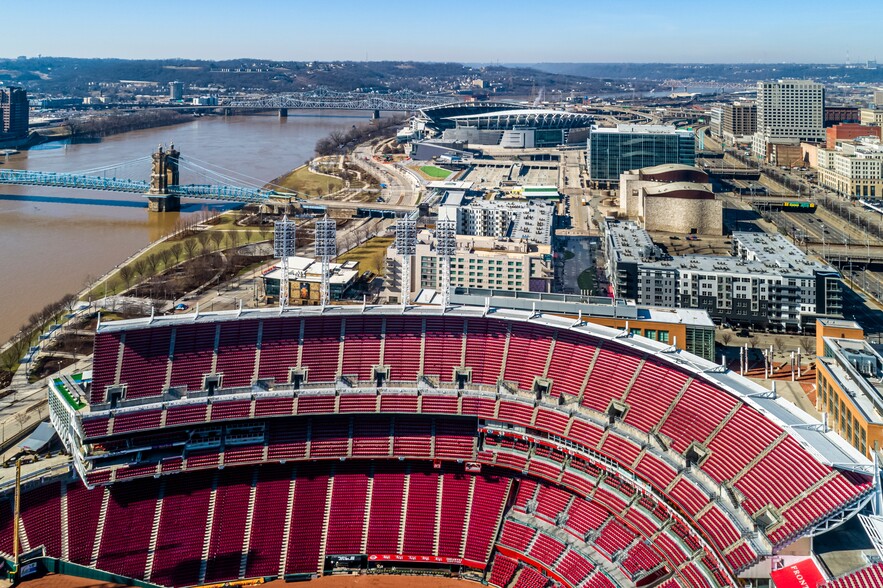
[586,280]
[435,172]
[370,255]
[304,181]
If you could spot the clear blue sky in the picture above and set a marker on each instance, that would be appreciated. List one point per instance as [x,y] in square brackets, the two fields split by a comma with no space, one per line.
[447,30]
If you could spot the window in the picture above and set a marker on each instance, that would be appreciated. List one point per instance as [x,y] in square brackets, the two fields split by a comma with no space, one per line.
[650,333]
[663,336]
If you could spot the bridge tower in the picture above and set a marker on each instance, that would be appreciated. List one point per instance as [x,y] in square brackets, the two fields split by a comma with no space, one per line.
[163,174]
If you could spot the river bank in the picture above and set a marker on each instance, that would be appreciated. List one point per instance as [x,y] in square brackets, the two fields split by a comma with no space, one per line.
[55,243]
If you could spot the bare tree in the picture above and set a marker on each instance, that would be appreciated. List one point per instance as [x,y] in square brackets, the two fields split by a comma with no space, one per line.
[166,256]
[235,239]
[217,237]
[808,345]
[203,238]
[190,247]
[176,250]
[153,262]
[140,268]
[779,345]
[726,337]
[752,341]
[127,275]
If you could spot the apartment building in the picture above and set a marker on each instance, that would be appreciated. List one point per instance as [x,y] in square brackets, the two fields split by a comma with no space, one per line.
[767,282]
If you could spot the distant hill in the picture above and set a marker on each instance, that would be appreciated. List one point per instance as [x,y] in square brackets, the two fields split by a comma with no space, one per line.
[714,72]
[62,75]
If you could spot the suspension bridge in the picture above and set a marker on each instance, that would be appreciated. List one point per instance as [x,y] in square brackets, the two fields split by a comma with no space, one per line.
[164,189]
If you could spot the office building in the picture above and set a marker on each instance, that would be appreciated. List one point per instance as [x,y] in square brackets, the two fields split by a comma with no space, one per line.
[738,120]
[878,97]
[871,116]
[612,151]
[715,121]
[848,384]
[768,282]
[853,168]
[848,132]
[835,115]
[176,91]
[788,112]
[14,112]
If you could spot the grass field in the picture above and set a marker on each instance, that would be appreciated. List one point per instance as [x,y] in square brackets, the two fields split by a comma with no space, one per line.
[116,284]
[435,172]
[370,255]
[304,181]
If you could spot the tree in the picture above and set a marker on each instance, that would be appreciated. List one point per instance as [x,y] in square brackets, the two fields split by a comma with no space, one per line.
[140,268]
[69,302]
[153,262]
[203,238]
[807,345]
[190,247]
[216,237]
[752,341]
[779,345]
[176,250]
[166,256]
[235,239]
[726,337]
[127,275]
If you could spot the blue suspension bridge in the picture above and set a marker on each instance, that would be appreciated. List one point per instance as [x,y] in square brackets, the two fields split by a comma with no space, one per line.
[164,189]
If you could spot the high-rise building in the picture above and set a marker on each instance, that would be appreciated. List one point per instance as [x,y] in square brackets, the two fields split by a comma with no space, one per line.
[13,112]
[878,97]
[738,120]
[612,151]
[176,91]
[788,112]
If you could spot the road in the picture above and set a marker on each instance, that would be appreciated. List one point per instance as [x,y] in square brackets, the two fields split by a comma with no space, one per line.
[403,187]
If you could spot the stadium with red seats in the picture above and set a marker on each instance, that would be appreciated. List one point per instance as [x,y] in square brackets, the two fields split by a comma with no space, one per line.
[513,447]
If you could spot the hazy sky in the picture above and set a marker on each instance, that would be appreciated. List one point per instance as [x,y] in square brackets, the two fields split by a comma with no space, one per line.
[447,30]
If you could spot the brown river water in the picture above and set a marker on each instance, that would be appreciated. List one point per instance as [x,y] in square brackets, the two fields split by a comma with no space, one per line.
[53,240]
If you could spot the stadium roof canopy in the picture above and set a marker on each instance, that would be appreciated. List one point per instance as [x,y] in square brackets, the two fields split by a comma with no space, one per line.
[824,444]
[533,117]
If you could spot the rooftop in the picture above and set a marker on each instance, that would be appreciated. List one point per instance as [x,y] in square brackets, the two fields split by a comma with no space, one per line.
[858,369]
[642,130]
[309,270]
[664,188]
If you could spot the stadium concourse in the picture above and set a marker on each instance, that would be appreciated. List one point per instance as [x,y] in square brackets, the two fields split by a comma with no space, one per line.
[518,448]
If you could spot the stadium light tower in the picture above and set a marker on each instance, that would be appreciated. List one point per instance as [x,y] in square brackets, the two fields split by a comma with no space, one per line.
[283,247]
[406,247]
[326,248]
[446,248]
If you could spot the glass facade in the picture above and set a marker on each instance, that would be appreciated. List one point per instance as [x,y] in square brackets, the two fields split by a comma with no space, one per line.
[612,153]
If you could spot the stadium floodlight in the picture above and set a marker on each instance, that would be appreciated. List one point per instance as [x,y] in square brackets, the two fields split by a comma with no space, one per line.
[446,248]
[406,247]
[284,238]
[326,248]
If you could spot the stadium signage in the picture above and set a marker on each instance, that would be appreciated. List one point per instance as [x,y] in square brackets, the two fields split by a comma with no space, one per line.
[403,558]
[803,574]
[798,204]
